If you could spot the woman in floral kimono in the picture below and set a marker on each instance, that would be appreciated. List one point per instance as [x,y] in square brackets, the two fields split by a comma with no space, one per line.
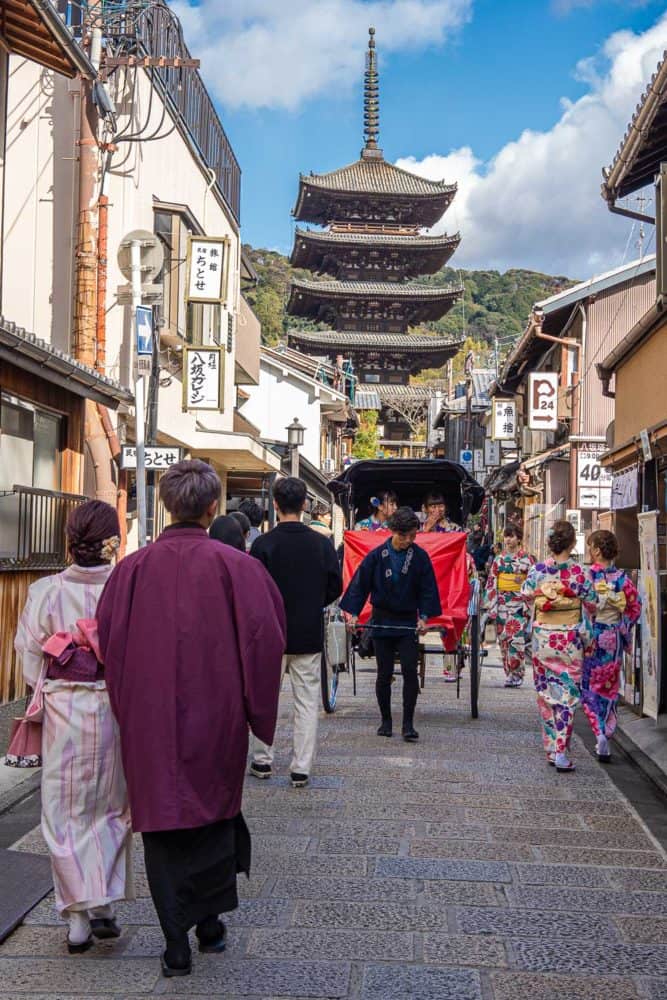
[506,606]
[618,611]
[85,814]
[562,594]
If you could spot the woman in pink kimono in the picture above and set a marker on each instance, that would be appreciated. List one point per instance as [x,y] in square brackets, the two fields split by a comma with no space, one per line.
[618,612]
[85,813]
[562,594]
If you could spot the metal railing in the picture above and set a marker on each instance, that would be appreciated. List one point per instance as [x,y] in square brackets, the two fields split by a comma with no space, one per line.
[32,528]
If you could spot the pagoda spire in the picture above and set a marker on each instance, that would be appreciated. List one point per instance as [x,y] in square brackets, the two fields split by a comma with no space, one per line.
[371,102]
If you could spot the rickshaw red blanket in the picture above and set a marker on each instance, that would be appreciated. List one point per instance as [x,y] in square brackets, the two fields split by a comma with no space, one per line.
[447,551]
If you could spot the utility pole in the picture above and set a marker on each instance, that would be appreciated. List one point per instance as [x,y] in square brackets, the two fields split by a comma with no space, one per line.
[139,396]
[641,202]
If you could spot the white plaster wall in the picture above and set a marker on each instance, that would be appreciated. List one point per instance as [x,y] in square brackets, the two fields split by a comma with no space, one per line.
[276,401]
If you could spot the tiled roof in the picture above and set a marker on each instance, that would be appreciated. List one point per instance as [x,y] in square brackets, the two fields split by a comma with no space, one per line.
[367,399]
[374,289]
[406,342]
[481,382]
[388,392]
[379,239]
[27,351]
[639,155]
[377,176]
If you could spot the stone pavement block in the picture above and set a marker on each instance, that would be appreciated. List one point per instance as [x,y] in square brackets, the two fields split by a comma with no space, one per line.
[147,942]
[595,901]
[50,942]
[369,916]
[615,859]
[506,922]
[364,845]
[32,842]
[597,840]
[592,955]
[283,808]
[642,930]
[452,871]
[654,989]
[466,893]
[630,878]
[330,828]
[343,865]
[507,851]
[359,889]
[461,949]
[622,821]
[272,825]
[384,982]
[82,975]
[218,977]
[498,818]
[278,844]
[317,781]
[523,986]
[583,875]
[350,945]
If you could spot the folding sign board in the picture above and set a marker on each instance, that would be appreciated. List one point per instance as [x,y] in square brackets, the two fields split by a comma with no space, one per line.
[543,401]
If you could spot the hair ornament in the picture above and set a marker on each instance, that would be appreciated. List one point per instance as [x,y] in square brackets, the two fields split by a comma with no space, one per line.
[109,548]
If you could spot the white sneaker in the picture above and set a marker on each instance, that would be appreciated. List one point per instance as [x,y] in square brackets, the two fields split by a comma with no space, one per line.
[602,750]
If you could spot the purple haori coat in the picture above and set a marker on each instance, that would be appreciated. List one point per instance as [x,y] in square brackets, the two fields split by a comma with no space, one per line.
[192,634]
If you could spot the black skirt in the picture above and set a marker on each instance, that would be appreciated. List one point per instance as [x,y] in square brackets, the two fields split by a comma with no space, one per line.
[192,873]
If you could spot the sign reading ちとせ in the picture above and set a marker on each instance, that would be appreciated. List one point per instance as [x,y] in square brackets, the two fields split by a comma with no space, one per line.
[207,270]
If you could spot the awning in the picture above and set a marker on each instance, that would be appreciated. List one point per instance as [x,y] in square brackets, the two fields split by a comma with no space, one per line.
[562,453]
[34,29]
[25,351]
[622,455]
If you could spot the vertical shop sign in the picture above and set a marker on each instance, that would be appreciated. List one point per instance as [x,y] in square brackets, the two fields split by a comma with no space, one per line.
[649,586]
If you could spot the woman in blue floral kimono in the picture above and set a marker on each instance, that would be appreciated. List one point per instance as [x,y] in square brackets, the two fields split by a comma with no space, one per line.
[563,597]
[506,606]
[618,611]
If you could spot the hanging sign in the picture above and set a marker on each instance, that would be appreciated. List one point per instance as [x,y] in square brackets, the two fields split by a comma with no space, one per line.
[593,481]
[649,587]
[466,459]
[207,268]
[504,420]
[478,460]
[202,378]
[155,456]
[491,453]
[543,401]
[624,488]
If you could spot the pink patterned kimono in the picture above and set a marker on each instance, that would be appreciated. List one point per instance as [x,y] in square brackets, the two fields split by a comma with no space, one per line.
[85,813]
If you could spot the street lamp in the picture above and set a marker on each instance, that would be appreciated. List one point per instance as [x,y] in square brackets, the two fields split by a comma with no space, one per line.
[295,437]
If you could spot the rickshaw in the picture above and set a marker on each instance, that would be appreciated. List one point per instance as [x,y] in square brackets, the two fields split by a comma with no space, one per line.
[458,630]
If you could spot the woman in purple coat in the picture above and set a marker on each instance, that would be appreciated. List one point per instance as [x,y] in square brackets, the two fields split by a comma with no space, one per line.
[192,634]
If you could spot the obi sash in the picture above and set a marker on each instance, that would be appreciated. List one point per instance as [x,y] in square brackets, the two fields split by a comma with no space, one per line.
[564,611]
[510,583]
[74,656]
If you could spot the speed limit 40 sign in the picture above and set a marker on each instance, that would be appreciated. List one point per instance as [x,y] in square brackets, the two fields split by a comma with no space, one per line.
[593,481]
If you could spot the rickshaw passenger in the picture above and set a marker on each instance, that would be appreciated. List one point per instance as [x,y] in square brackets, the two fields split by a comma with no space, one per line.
[384,505]
[437,516]
[404,594]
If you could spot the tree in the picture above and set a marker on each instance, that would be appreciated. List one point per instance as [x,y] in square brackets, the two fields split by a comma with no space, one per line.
[366,441]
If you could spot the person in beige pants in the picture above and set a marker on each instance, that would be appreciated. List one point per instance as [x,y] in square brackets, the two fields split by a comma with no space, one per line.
[304,566]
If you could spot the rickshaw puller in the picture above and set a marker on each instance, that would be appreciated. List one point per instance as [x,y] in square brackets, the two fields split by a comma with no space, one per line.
[399,578]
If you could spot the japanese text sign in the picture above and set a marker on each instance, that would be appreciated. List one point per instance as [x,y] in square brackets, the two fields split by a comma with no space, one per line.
[504,420]
[202,378]
[155,456]
[491,453]
[208,261]
[543,401]
[593,480]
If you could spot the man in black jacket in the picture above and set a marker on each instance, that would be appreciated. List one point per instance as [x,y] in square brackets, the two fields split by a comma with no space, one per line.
[305,569]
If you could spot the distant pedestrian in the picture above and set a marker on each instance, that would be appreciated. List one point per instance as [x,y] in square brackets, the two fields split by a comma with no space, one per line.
[226,529]
[618,612]
[399,578]
[85,812]
[564,599]
[305,568]
[192,635]
[506,606]
[255,515]
[321,520]
[244,524]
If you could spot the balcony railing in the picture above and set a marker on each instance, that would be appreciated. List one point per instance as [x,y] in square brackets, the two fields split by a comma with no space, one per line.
[32,528]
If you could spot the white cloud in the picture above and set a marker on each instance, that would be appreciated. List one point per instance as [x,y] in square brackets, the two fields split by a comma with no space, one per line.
[537,202]
[564,7]
[280,53]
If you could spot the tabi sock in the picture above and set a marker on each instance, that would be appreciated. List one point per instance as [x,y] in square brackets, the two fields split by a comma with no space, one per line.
[101,912]
[79,927]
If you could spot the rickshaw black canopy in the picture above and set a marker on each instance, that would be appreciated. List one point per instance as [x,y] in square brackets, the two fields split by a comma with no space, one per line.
[411,479]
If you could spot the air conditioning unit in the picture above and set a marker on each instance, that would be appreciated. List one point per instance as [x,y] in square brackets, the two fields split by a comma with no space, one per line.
[526,442]
[328,465]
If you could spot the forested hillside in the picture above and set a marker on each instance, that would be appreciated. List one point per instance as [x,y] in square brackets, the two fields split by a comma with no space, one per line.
[494,305]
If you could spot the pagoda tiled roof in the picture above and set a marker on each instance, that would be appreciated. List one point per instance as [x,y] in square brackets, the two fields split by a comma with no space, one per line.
[408,343]
[377,176]
[418,241]
[374,289]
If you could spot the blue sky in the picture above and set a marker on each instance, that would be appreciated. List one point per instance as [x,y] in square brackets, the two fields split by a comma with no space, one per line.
[477,89]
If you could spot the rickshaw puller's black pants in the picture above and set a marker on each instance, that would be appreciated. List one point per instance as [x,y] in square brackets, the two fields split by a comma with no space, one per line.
[386,650]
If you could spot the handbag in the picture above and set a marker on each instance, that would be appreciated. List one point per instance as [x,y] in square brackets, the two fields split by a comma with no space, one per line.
[25,743]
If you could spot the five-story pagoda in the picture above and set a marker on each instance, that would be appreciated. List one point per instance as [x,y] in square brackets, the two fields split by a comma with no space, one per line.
[369,247]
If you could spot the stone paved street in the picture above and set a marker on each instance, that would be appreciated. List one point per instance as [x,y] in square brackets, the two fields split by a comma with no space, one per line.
[459,868]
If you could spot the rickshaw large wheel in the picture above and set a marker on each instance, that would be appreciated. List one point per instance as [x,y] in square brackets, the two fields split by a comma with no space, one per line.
[329,683]
[474,665]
